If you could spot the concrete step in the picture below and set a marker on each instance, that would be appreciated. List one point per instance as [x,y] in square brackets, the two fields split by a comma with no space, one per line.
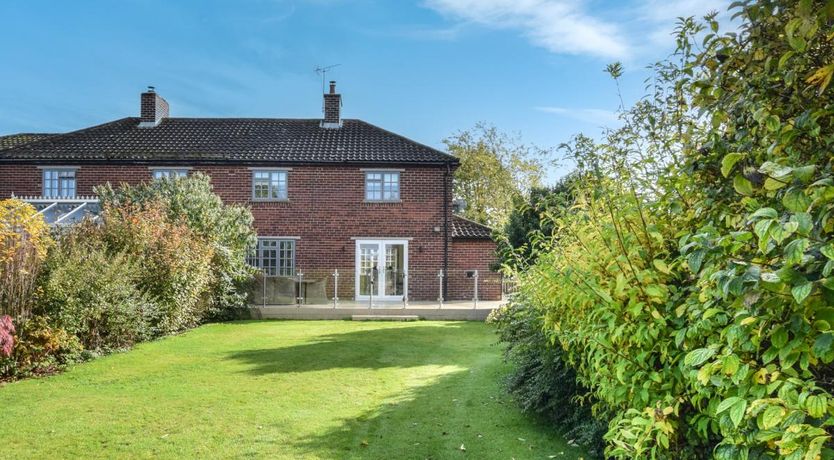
[384,317]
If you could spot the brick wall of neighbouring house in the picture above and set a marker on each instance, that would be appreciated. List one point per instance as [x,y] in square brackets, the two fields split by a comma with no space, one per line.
[326,209]
[473,255]
[26,180]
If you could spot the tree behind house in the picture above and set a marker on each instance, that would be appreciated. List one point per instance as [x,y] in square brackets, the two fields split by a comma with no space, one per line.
[495,171]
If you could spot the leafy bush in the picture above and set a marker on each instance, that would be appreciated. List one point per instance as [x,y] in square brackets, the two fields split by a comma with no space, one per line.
[173,262]
[40,349]
[529,224]
[94,294]
[132,275]
[690,286]
[226,229]
[24,239]
[541,381]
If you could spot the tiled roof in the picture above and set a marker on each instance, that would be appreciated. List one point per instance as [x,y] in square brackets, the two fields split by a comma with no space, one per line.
[467,229]
[239,140]
[13,140]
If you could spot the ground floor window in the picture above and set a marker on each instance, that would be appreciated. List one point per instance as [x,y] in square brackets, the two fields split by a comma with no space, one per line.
[275,256]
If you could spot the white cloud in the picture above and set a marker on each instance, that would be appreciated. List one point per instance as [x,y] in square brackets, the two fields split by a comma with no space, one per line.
[568,27]
[419,32]
[598,117]
[560,26]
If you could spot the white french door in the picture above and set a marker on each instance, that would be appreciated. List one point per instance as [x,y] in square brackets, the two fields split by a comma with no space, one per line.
[381,269]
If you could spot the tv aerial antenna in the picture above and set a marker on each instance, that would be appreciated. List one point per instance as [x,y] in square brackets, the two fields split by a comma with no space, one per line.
[322,70]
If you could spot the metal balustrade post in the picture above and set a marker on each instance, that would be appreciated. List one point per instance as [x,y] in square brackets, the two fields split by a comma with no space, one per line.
[440,286]
[373,274]
[335,287]
[405,289]
[300,299]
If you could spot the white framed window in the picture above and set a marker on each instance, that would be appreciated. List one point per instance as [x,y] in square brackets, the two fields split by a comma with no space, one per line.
[382,186]
[59,183]
[275,256]
[269,185]
[168,173]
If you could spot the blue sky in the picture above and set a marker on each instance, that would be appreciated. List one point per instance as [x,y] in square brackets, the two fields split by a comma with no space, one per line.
[423,68]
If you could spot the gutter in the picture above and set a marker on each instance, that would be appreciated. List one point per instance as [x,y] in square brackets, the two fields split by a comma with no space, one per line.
[446,200]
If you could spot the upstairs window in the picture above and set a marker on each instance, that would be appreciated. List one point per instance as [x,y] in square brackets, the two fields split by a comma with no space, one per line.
[168,173]
[269,185]
[382,186]
[275,257]
[59,183]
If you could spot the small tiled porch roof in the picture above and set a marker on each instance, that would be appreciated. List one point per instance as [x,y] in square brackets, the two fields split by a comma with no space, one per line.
[463,228]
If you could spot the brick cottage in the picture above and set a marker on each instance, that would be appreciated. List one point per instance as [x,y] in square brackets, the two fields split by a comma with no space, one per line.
[327,194]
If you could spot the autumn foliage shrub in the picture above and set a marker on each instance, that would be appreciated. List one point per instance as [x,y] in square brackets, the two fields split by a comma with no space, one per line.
[161,258]
[173,262]
[691,284]
[24,240]
[226,230]
[39,348]
[132,275]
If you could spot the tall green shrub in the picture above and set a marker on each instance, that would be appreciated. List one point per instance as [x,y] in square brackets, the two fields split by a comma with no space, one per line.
[542,382]
[132,275]
[94,294]
[227,229]
[691,284]
[174,262]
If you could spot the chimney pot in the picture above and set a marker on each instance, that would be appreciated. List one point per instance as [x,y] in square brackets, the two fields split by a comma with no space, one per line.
[152,108]
[332,108]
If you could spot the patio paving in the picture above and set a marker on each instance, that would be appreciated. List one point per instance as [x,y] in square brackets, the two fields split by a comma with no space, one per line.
[454,310]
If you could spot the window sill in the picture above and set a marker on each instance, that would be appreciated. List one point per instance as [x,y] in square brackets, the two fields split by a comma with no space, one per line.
[262,200]
[382,201]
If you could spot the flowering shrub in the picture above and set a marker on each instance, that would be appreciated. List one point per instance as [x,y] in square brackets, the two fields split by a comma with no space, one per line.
[6,336]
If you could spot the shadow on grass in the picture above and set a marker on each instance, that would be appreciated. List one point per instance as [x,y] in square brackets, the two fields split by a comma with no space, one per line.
[462,405]
[408,346]
[459,415]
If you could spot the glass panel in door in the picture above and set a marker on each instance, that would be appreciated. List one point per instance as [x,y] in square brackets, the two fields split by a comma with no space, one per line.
[368,272]
[394,269]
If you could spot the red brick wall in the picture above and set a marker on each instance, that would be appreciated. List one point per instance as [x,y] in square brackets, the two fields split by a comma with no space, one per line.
[325,209]
[473,255]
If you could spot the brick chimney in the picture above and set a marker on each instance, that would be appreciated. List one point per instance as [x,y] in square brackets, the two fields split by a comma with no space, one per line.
[153,108]
[332,108]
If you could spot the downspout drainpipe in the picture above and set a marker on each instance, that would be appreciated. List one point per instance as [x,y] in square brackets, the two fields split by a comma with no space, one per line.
[446,176]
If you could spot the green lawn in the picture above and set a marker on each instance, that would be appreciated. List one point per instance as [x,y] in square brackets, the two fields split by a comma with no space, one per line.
[283,389]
